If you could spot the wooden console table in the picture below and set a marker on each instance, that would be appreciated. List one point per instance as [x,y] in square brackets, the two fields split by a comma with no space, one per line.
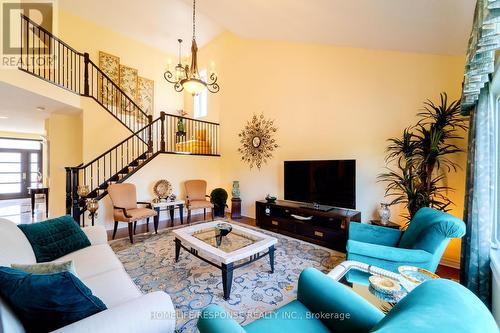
[329,229]
[33,191]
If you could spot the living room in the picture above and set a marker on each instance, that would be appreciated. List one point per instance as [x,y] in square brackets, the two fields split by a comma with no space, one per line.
[280,92]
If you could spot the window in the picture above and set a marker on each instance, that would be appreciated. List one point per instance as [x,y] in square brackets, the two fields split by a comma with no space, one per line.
[200,105]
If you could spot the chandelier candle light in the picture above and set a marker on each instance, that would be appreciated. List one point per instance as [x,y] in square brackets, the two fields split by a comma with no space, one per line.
[187,77]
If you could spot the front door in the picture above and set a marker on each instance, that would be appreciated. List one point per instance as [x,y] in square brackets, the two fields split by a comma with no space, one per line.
[19,170]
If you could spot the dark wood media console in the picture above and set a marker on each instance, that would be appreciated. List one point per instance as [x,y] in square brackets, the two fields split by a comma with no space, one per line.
[328,229]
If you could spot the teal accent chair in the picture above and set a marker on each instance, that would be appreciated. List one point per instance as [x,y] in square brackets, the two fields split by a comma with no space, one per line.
[325,305]
[421,245]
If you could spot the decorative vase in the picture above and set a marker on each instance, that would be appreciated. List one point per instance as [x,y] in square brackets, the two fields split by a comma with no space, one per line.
[236,189]
[385,213]
[83,190]
[92,205]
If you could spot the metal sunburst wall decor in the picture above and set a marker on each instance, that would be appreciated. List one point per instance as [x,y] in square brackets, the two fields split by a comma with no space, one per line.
[257,141]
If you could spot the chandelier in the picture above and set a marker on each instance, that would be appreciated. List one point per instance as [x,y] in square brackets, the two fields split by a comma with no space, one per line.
[187,77]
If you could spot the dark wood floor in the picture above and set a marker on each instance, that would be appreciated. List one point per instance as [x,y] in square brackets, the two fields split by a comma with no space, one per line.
[443,271]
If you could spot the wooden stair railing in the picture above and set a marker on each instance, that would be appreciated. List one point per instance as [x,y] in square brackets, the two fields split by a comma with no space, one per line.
[168,134]
[47,57]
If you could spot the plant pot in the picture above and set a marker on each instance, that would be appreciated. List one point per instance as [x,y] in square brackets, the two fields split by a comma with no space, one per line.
[219,211]
[180,125]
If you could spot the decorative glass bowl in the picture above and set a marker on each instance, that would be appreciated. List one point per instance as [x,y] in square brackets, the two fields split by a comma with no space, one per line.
[224,228]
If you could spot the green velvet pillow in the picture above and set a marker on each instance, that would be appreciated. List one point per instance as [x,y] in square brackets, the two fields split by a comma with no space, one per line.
[46,302]
[54,238]
[47,267]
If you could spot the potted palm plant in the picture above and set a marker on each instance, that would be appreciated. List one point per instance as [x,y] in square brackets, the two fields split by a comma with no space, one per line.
[419,160]
[218,197]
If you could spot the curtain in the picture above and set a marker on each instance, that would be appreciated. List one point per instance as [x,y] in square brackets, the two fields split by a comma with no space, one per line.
[484,40]
[479,217]
[475,272]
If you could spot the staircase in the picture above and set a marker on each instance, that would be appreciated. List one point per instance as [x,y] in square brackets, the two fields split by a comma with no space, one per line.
[75,72]
[50,59]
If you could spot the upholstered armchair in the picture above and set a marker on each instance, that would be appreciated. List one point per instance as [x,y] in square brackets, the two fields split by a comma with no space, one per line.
[325,305]
[421,245]
[126,209]
[196,197]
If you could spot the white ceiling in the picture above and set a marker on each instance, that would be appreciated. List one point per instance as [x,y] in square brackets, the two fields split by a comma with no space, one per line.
[429,26]
[20,108]
[158,23]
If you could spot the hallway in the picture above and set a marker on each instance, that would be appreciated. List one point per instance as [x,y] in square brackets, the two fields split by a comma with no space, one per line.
[19,210]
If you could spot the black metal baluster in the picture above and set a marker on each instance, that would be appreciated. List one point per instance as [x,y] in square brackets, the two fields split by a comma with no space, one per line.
[58,63]
[22,42]
[44,67]
[33,51]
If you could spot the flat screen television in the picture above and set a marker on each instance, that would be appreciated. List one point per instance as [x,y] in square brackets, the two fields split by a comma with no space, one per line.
[329,183]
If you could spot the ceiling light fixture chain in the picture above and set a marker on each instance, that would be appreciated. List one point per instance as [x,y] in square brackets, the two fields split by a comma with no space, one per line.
[194,19]
[187,77]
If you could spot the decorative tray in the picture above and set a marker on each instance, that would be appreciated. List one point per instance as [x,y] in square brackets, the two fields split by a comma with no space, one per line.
[416,274]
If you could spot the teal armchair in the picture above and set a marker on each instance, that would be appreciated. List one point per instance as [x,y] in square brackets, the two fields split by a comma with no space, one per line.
[325,305]
[421,245]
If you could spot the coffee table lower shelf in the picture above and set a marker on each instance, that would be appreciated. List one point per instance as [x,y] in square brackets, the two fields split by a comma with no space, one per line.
[226,269]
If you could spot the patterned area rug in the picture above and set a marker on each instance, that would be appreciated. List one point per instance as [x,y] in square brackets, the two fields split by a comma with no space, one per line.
[193,284]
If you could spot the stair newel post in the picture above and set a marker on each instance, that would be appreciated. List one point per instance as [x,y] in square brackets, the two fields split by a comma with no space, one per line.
[69,186]
[75,212]
[150,133]
[162,131]
[86,60]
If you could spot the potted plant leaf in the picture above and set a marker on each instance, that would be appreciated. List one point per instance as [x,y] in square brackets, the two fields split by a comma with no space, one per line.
[218,197]
[419,160]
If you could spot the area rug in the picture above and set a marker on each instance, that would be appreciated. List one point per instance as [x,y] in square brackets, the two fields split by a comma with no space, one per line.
[193,284]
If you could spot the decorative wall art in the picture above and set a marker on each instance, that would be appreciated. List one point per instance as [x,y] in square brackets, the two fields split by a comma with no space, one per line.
[110,65]
[137,88]
[128,84]
[145,95]
[257,141]
[162,189]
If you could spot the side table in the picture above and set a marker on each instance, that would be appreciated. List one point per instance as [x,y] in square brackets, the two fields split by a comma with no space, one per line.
[39,190]
[388,225]
[355,275]
[236,208]
[170,206]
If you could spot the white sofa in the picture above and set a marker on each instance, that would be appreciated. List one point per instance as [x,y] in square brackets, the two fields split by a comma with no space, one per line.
[129,311]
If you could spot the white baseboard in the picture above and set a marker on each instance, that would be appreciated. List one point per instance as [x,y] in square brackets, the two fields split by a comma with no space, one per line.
[450,263]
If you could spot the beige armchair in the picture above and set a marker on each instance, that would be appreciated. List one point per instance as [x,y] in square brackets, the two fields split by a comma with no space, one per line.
[125,207]
[196,197]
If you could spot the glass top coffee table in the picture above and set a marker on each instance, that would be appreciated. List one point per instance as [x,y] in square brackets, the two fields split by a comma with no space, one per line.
[355,275]
[240,247]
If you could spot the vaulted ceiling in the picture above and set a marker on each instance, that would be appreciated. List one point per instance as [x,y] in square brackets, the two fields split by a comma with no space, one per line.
[428,26]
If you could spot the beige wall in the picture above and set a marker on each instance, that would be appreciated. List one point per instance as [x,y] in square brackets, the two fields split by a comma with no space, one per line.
[64,137]
[328,103]
[100,130]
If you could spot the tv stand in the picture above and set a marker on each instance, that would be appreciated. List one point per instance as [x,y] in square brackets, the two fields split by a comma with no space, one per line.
[315,206]
[327,228]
